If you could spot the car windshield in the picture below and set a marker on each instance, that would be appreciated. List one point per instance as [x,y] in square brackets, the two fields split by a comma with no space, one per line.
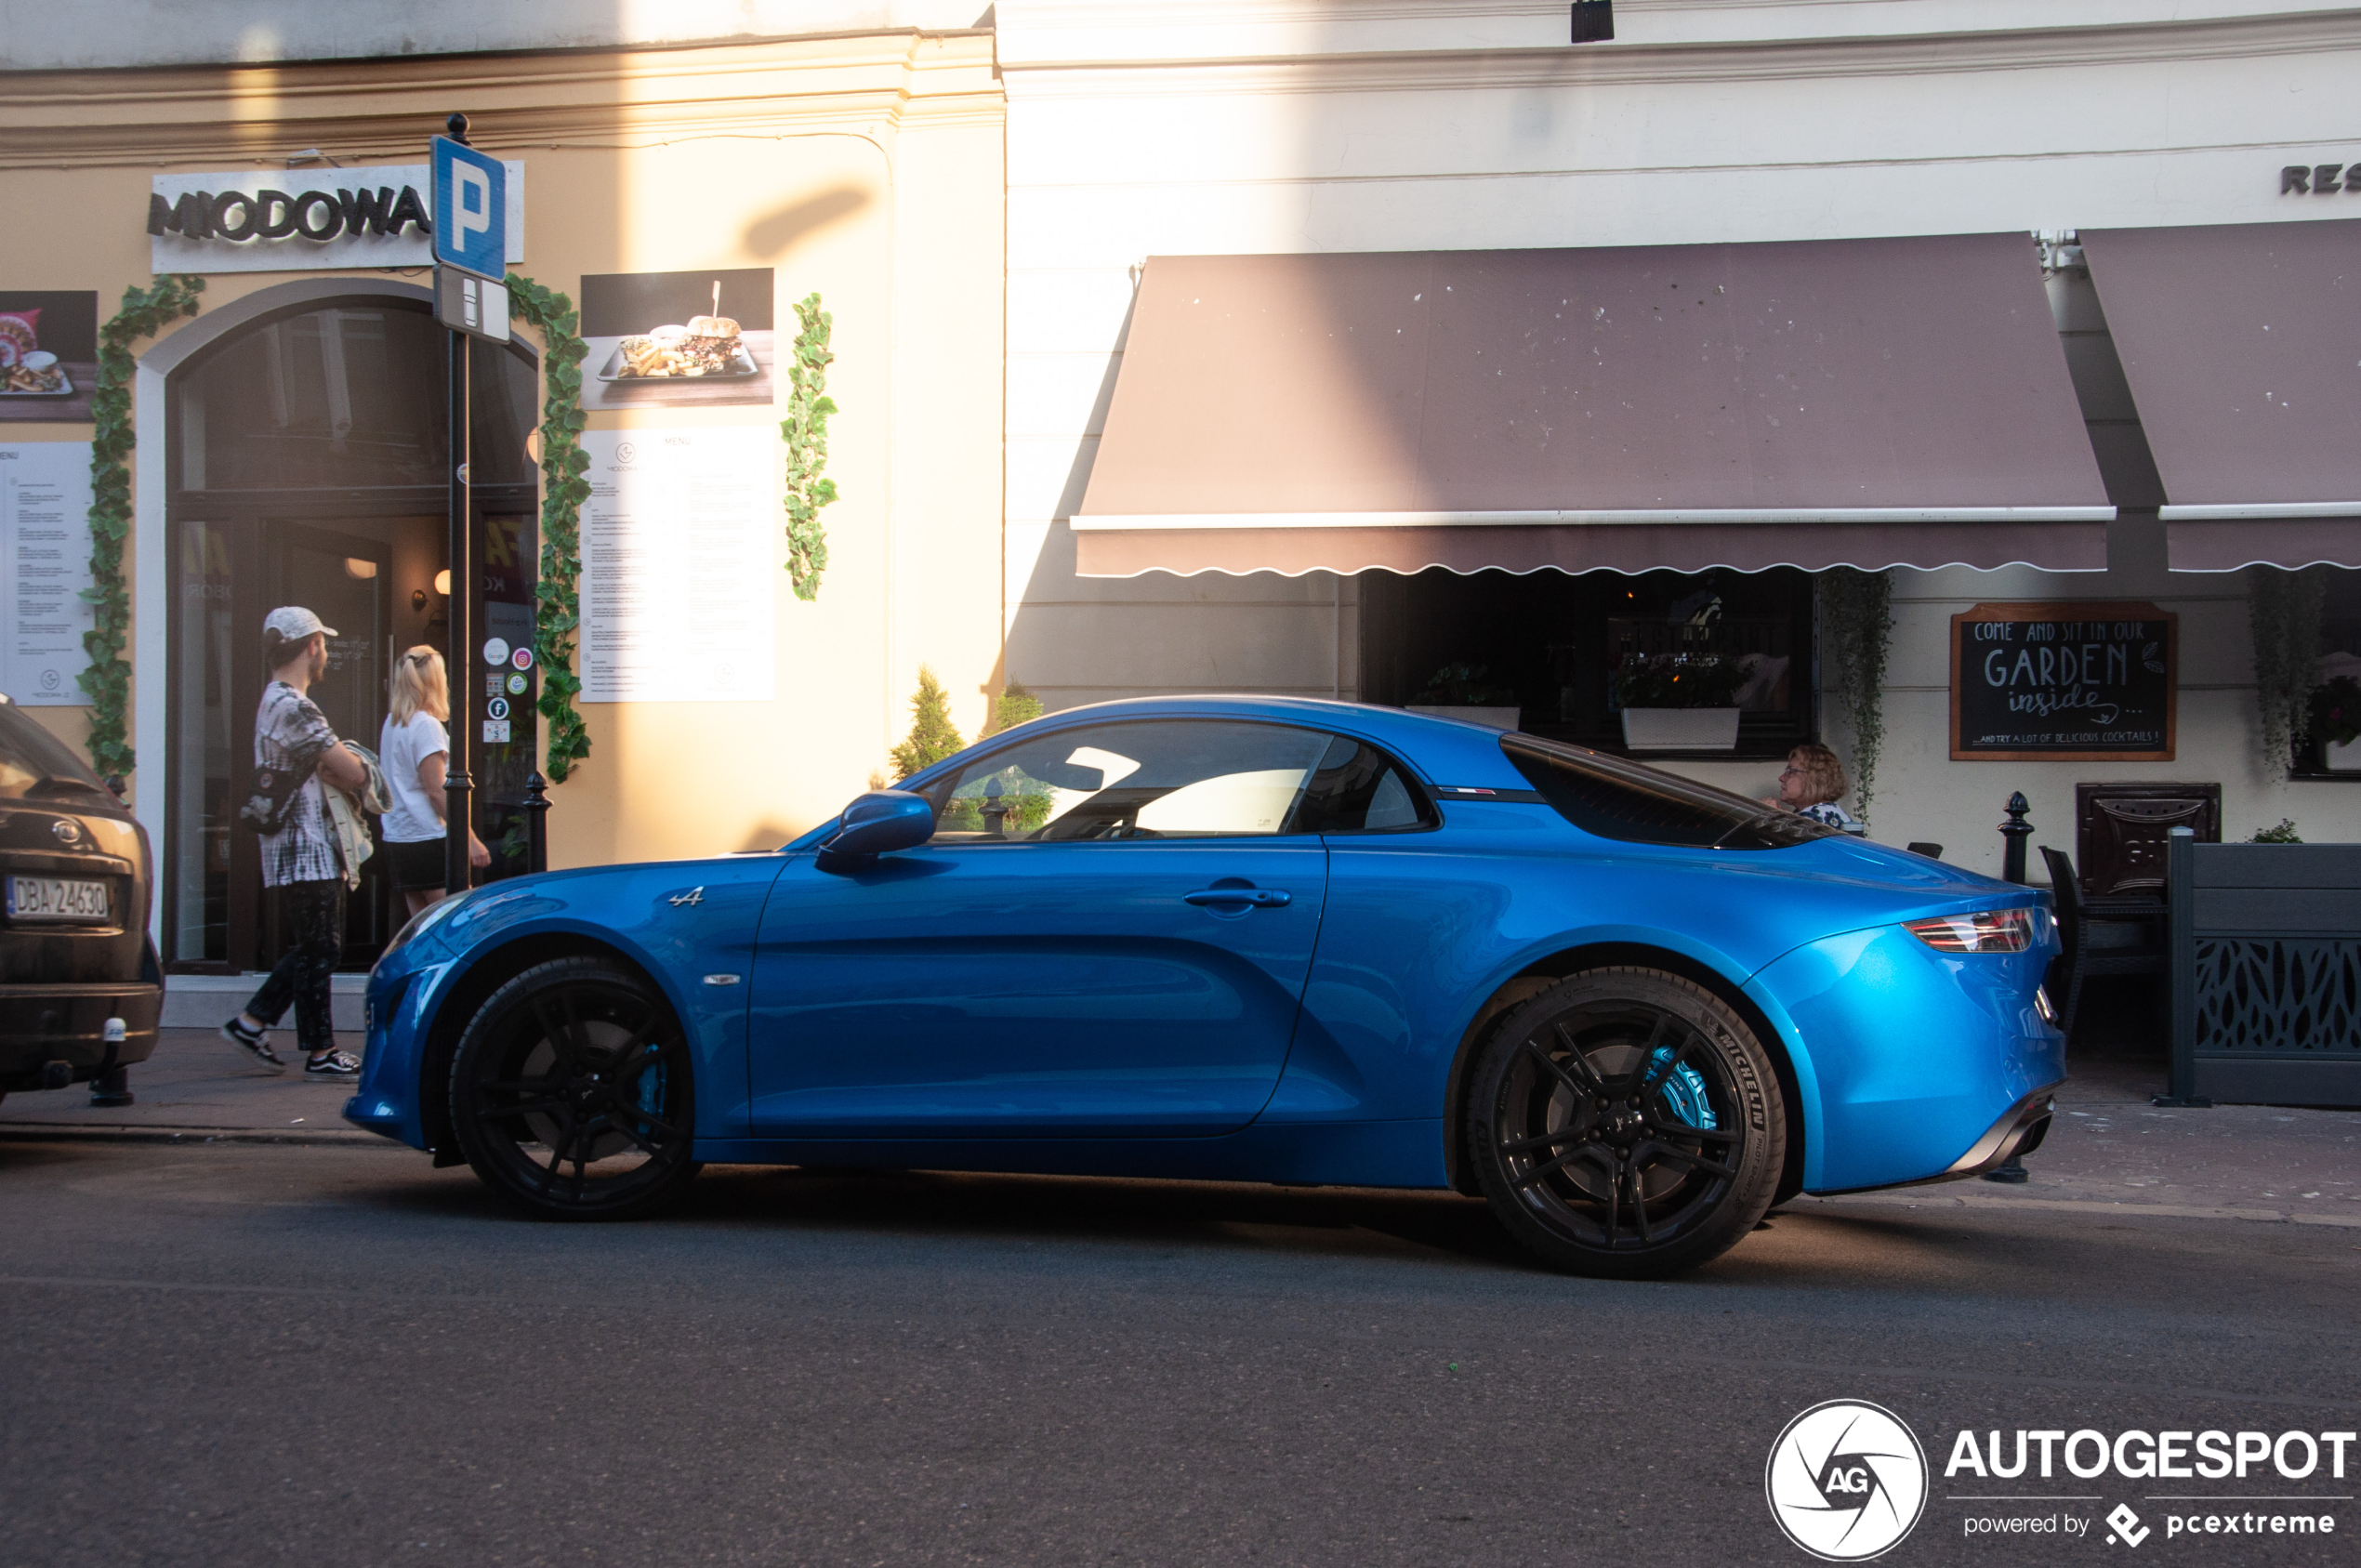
[35,762]
[1613,797]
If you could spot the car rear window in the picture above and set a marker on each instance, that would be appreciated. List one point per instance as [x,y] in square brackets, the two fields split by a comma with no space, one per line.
[1616,799]
[33,761]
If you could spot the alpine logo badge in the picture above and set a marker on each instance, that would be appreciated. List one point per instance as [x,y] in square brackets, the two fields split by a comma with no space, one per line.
[1846,1480]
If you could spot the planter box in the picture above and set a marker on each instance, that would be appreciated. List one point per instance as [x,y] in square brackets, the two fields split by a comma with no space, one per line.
[2345,759]
[1680,728]
[1490,718]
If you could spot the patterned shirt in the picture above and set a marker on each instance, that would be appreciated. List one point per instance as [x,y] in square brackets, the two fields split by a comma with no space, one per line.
[1830,814]
[290,732]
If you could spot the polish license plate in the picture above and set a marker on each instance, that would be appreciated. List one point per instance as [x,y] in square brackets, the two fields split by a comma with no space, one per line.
[61,900]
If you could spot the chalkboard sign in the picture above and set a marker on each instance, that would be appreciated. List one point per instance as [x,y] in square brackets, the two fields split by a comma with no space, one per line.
[2065,683]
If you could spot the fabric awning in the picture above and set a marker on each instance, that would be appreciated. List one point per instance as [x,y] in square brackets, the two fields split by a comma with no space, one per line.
[2242,345]
[1872,403]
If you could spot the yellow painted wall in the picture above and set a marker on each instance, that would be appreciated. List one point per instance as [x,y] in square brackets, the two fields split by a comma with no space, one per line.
[867,169]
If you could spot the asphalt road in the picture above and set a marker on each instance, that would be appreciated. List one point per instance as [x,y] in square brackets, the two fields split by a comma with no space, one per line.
[326,1355]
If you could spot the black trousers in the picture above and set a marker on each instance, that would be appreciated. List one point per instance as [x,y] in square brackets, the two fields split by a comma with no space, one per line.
[315,915]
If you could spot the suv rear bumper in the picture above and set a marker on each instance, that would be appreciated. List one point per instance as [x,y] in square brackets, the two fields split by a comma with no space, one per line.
[45,1023]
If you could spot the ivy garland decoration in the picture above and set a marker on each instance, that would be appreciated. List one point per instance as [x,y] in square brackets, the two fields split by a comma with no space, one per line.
[805,429]
[2282,612]
[557,596]
[1857,629]
[145,311]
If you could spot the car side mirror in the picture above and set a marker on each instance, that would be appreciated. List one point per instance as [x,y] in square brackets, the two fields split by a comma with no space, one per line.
[876,823]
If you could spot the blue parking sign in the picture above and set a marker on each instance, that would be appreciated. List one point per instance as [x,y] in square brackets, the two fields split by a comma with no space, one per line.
[470,210]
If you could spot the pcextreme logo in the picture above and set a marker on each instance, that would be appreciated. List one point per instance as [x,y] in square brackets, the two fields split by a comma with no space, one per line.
[1846,1480]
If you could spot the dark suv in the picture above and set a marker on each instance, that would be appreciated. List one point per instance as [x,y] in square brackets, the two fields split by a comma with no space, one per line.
[80,988]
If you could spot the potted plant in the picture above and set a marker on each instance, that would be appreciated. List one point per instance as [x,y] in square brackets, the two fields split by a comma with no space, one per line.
[1461,692]
[1678,702]
[2336,724]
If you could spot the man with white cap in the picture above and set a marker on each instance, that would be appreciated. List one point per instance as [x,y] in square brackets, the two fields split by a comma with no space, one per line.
[292,741]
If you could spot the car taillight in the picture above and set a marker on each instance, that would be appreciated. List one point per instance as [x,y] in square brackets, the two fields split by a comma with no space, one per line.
[1987,931]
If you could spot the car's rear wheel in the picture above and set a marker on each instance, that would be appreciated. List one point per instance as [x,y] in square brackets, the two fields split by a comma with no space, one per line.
[1625,1123]
[571,1093]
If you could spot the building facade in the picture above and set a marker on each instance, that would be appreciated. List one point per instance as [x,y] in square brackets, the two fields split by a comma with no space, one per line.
[292,436]
[1113,292]
[1149,140]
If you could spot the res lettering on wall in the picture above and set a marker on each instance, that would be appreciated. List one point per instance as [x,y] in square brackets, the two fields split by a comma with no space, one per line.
[2320,180]
[2065,683]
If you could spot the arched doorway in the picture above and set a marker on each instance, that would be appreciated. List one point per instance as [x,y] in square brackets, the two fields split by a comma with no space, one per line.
[308,463]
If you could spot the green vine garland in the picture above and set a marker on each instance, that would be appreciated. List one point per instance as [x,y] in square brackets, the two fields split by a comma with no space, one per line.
[145,312]
[557,613]
[805,429]
[1856,624]
[2282,612]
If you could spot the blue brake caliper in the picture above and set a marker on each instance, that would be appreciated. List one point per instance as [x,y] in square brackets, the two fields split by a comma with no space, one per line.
[1683,1091]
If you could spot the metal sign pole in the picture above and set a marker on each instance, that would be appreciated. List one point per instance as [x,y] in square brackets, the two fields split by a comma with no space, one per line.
[458,781]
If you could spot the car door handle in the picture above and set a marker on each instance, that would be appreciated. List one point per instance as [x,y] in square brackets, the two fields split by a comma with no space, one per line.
[1261,897]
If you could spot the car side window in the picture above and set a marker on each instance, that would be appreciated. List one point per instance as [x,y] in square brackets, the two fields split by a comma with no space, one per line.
[1179,778]
[1358,788]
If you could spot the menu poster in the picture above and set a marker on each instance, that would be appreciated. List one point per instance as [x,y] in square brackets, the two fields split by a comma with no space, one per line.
[678,571]
[2064,683]
[45,567]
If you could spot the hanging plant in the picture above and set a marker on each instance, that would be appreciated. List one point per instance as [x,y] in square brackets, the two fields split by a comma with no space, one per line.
[2282,612]
[1856,630]
[805,429]
[557,597]
[145,312]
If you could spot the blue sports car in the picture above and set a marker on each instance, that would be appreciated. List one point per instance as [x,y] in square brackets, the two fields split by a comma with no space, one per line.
[1247,939]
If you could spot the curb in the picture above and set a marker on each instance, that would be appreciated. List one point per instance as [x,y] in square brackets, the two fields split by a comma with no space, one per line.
[53,1132]
[2085,1205]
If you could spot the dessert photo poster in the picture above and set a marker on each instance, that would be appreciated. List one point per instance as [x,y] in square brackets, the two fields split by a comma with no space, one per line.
[698,340]
[48,354]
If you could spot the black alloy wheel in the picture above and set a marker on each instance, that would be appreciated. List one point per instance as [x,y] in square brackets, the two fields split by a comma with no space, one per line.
[571,1093]
[1625,1123]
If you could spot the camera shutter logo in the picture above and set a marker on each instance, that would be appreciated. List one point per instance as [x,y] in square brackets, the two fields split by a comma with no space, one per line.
[1846,1480]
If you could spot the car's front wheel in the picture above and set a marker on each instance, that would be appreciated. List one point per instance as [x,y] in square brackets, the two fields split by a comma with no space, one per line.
[571,1093]
[1625,1123]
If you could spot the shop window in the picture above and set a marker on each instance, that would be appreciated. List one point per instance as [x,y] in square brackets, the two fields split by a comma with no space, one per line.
[2339,661]
[1567,651]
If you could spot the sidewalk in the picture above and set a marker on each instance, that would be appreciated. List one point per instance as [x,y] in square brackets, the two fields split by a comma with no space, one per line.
[197,1086]
[2109,1150]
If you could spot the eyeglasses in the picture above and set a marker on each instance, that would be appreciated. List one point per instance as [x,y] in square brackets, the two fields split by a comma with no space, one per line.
[1791,774]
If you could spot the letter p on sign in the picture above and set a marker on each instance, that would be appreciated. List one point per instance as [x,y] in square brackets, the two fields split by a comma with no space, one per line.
[470,210]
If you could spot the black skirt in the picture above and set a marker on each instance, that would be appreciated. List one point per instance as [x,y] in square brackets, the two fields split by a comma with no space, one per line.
[417,868]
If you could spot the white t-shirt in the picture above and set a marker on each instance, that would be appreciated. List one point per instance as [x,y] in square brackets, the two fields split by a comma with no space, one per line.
[400,750]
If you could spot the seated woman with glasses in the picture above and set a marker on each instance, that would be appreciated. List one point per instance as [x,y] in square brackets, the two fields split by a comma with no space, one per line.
[1813,785]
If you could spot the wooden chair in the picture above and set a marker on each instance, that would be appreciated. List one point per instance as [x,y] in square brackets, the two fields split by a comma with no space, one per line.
[2105,939]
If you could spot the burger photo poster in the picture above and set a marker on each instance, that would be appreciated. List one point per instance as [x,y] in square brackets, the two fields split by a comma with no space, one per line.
[699,339]
[48,355]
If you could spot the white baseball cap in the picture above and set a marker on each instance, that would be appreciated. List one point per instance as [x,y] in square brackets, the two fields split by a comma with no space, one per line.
[293,623]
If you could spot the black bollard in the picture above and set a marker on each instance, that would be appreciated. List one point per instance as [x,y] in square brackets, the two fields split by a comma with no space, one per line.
[537,823]
[112,1084]
[2015,831]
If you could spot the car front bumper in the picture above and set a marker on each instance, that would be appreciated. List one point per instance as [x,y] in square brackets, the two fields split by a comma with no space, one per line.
[40,1025]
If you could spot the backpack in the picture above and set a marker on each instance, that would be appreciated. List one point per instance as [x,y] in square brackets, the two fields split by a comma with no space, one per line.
[269,795]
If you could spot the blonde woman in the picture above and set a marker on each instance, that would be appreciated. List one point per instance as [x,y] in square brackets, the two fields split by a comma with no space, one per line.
[415,751]
[1813,785]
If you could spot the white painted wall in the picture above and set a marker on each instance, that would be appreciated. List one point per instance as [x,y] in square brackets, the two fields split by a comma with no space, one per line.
[86,34]
[1223,126]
